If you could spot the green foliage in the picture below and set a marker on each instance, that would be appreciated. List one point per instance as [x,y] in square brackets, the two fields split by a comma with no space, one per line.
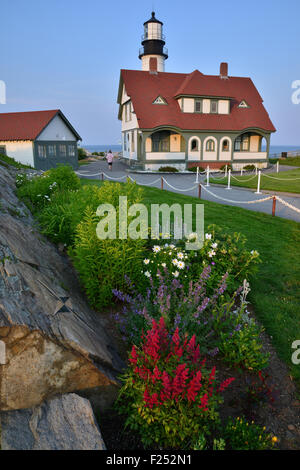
[202,444]
[194,169]
[5,160]
[103,263]
[249,167]
[228,165]
[38,191]
[243,348]
[168,169]
[81,153]
[168,393]
[59,219]
[241,435]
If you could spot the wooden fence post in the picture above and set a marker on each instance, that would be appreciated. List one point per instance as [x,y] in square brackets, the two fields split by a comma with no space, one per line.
[274,206]
[199,191]
[162,183]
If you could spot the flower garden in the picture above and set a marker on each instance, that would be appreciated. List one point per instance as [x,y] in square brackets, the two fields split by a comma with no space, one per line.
[197,367]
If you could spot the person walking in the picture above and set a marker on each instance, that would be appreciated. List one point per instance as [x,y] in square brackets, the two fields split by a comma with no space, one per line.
[109,158]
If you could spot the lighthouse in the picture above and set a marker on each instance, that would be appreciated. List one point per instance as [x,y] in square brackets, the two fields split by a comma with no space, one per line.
[153,52]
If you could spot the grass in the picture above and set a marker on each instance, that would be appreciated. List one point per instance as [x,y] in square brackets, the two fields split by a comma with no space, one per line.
[5,160]
[275,292]
[291,161]
[283,184]
[83,163]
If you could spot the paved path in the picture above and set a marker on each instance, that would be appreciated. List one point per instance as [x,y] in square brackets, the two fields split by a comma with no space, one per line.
[188,180]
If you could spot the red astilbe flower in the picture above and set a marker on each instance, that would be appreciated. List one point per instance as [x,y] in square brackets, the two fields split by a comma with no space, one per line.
[204,402]
[133,355]
[194,350]
[179,381]
[167,384]
[194,386]
[225,384]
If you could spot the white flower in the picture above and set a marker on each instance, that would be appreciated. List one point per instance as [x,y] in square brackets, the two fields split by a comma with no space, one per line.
[176,274]
[147,274]
[175,262]
[163,265]
[146,261]
[192,236]
[208,236]
[254,253]
[172,246]
[156,248]
[180,264]
[180,255]
[211,253]
[214,245]
[166,245]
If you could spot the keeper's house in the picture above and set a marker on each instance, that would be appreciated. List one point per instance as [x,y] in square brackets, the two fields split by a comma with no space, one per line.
[41,139]
[186,120]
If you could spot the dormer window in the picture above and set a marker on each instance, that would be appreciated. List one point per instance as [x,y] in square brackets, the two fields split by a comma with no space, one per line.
[159,100]
[214,106]
[243,104]
[198,106]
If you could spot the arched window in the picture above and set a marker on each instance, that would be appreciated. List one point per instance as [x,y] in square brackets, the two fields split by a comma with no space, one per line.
[210,146]
[225,145]
[194,145]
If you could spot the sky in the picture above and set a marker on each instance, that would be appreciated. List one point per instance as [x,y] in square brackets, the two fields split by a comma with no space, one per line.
[67,54]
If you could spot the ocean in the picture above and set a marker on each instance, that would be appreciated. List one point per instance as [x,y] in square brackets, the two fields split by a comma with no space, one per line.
[118,148]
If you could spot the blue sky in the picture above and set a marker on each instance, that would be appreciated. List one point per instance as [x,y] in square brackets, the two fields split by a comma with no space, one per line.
[68,54]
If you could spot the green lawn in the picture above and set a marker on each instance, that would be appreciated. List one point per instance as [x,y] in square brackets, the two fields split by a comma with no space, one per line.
[292,161]
[283,184]
[275,292]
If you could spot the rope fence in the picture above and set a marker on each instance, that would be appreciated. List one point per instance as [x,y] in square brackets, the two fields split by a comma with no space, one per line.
[200,186]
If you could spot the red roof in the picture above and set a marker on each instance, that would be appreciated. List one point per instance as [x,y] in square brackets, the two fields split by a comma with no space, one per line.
[143,88]
[27,125]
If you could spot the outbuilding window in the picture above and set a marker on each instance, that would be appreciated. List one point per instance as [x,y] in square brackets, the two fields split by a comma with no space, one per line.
[2,150]
[63,150]
[42,151]
[52,150]
[72,150]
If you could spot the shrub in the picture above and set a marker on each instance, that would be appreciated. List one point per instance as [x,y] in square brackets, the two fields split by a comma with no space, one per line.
[168,169]
[103,264]
[194,169]
[168,394]
[38,191]
[81,153]
[241,435]
[59,219]
[249,167]
[5,160]
[223,167]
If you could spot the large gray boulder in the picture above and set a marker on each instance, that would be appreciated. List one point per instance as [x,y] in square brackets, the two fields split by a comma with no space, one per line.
[63,423]
[52,342]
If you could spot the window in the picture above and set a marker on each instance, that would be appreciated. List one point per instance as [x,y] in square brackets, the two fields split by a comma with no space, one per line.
[42,151]
[242,143]
[52,150]
[194,145]
[161,141]
[214,106]
[243,104]
[225,146]
[2,150]
[127,111]
[198,106]
[210,145]
[132,142]
[71,150]
[63,150]
[159,100]
[125,143]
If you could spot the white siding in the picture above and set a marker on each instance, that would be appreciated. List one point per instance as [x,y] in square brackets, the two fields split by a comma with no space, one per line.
[210,155]
[57,130]
[225,155]
[22,151]
[194,155]
[249,155]
[165,156]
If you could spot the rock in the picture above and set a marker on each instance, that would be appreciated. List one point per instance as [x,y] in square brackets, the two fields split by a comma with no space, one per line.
[291,427]
[54,342]
[63,423]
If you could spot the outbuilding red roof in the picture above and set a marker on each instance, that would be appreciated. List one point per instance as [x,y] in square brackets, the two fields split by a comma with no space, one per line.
[144,87]
[27,125]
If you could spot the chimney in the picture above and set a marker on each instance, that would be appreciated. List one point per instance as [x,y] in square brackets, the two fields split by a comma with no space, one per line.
[153,65]
[224,70]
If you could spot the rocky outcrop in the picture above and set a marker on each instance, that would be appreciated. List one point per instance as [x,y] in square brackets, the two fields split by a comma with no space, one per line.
[52,342]
[63,423]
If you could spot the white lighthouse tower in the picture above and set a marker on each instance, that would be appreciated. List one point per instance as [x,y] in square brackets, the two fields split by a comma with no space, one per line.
[153,53]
